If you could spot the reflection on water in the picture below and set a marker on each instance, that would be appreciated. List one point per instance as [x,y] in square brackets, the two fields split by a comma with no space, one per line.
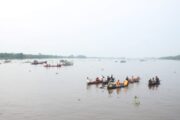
[88,87]
[153,87]
[118,90]
[104,88]
[110,91]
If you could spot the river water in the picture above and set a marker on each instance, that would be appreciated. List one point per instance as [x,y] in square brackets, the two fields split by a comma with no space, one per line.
[29,92]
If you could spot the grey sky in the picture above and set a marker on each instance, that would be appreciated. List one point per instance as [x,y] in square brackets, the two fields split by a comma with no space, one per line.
[128,28]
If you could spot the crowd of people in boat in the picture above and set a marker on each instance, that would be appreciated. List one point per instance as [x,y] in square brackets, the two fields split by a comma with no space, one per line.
[154,81]
[111,82]
[60,64]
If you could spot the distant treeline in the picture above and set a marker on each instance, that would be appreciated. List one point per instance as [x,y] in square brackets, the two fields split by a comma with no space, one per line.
[171,57]
[31,56]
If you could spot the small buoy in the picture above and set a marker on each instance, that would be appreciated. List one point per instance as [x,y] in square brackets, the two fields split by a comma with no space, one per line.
[79,99]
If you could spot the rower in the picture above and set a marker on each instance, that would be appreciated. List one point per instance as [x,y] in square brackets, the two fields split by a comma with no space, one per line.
[97,79]
[150,81]
[126,83]
[157,79]
[118,83]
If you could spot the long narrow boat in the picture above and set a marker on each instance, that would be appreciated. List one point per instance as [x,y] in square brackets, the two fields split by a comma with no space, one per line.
[114,86]
[35,62]
[152,83]
[94,82]
[133,80]
[121,85]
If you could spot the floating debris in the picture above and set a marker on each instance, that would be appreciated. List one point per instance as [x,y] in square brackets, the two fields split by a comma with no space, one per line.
[136,101]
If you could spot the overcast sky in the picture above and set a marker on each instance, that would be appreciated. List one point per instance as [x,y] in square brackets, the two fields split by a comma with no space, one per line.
[118,28]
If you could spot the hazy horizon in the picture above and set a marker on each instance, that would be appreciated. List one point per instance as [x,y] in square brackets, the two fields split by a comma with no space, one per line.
[102,28]
[77,55]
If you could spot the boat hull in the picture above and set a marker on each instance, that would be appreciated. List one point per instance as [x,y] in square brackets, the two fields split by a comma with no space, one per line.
[94,82]
[115,87]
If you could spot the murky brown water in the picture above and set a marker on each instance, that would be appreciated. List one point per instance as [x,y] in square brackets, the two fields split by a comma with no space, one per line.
[30,92]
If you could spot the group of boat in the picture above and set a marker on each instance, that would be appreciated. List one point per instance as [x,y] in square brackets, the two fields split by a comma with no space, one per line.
[112,83]
[60,64]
